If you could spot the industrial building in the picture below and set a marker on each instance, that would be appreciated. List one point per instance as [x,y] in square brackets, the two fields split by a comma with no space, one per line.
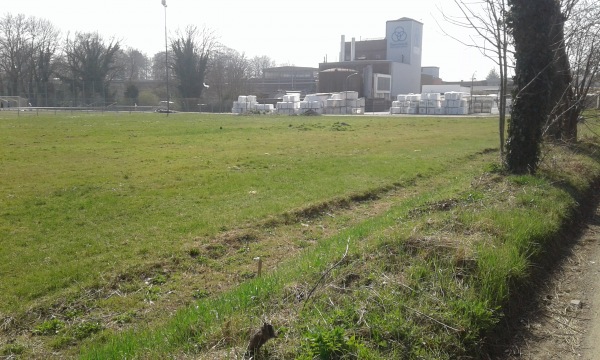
[276,81]
[372,75]
[378,69]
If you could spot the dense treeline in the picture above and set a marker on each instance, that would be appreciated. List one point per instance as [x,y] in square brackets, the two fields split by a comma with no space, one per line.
[44,67]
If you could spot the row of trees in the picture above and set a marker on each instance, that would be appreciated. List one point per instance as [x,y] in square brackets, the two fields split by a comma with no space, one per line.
[552,47]
[39,64]
[33,56]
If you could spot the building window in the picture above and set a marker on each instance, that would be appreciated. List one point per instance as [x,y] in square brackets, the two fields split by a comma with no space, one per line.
[384,84]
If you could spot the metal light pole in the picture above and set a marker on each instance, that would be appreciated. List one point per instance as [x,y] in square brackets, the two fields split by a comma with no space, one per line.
[346,89]
[472,81]
[346,81]
[164,3]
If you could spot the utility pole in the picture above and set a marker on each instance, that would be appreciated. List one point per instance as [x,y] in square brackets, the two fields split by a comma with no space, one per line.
[164,3]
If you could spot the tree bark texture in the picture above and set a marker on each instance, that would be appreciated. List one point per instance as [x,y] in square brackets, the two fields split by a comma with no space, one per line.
[529,21]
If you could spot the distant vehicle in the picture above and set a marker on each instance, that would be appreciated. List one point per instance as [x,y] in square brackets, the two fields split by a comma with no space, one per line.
[162,107]
[160,110]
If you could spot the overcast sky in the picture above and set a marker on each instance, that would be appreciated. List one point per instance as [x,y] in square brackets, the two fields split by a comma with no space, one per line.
[299,33]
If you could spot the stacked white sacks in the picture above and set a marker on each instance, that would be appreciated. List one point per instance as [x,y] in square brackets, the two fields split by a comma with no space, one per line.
[343,103]
[456,103]
[313,103]
[244,104]
[290,104]
[431,104]
[248,103]
[406,104]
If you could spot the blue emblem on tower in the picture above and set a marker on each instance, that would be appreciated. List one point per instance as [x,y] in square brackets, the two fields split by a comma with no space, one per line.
[399,35]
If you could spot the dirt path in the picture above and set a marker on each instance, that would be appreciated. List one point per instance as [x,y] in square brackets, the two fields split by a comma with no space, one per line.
[564,322]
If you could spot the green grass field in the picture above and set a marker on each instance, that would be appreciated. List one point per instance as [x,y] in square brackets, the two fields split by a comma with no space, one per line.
[86,195]
[104,216]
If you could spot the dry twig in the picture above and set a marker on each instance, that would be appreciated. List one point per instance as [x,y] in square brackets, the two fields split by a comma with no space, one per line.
[325,274]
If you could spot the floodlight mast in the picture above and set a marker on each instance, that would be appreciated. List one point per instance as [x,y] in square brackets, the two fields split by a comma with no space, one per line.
[164,3]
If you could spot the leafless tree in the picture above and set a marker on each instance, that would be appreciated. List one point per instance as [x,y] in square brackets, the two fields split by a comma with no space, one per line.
[45,48]
[228,75]
[487,19]
[238,68]
[16,49]
[216,76]
[158,67]
[27,49]
[258,64]
[134,65]
[577,62]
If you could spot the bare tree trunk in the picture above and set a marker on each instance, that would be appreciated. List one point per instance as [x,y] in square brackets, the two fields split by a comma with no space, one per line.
[502,36]
[558,126]
[577,62]
[488,20]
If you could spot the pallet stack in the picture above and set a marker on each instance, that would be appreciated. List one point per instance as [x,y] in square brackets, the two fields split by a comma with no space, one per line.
[244,104]
[345,103]
[290,104]
[456,103]
[314,103]
[406,104]
[248,103]
[431,104]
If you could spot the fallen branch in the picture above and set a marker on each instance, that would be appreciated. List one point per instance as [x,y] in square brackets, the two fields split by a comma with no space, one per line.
[325,274]
[432,319]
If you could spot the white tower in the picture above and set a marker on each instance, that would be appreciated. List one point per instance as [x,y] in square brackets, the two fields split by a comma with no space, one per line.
[404,48]
[404,41]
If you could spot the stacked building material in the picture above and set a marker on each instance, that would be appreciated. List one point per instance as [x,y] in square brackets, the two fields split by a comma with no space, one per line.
[412,104]
[265,108]
[406,104]
[244,104]
[335,104]
[290,104]
[399,105]
[483,104]
[430,104]
[313,103]
[248,103]
[456,103]
[345,103]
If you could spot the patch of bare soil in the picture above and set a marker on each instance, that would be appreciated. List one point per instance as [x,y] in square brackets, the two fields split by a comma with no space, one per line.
[563,322]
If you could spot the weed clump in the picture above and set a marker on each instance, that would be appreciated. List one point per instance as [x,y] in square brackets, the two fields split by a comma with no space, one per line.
[49,327]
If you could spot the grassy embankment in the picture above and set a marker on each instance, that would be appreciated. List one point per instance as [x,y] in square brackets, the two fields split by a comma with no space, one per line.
[114,221]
